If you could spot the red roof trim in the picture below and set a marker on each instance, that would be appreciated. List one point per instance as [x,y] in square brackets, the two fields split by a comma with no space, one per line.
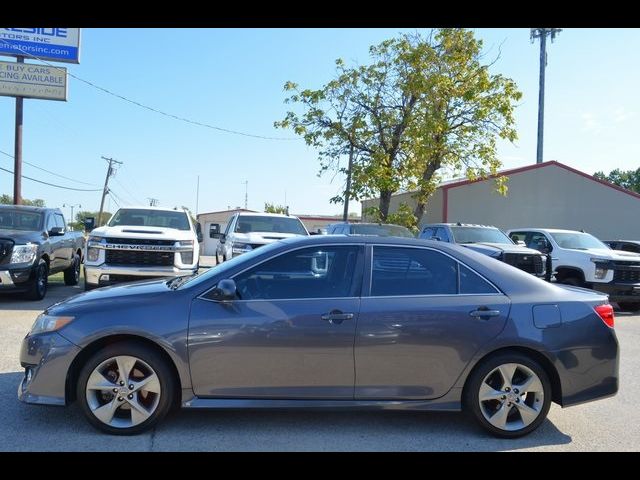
[535,166]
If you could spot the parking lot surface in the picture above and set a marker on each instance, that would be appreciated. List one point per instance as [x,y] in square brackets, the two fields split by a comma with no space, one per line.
[609,424]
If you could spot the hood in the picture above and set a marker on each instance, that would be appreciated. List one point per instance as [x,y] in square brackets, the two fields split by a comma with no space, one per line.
[21,237]
[132,231]
[495,249]
[263,237]
[609,254]
[125,291]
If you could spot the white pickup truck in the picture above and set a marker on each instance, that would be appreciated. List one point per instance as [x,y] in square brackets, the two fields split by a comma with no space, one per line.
[141,243]
[580,259]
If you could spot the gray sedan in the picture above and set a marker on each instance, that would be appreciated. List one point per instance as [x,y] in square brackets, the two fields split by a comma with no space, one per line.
[328,322]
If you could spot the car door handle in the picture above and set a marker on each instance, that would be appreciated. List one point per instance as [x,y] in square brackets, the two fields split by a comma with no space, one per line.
[336,316]
[484,313]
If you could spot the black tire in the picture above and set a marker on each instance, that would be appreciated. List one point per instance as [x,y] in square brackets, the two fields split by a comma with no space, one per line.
[152,358]
[72,274]
[629,306]
[474,382]
[575,281]
[38,288]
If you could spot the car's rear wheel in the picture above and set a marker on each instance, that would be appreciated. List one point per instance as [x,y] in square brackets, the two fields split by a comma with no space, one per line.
[72,274]
[629,306]
[509,395]
[125,389]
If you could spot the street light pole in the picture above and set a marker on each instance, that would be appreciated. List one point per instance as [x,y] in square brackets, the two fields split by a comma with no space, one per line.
[72,207]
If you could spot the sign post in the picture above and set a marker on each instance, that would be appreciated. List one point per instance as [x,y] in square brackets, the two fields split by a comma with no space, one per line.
[22,80]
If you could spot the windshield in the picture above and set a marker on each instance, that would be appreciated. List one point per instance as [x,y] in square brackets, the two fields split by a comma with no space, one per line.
[20,220]
[577,241]
[382,230]
[230,264]
[479,235]
[150,218]
[248,223]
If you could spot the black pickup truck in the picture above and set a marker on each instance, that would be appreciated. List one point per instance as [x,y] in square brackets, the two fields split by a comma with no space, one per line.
[34,243]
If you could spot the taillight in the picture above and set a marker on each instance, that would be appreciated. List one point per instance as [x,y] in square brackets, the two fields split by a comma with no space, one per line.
[605,312]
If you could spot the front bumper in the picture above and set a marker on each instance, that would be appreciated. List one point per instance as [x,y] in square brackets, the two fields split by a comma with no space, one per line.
[95,275]
[16,279]
[619,291]
[46,358]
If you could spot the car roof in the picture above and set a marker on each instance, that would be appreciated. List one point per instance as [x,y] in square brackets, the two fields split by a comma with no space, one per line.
[458,224]
[27,208]
[264,214]
[147,207]
[550,230]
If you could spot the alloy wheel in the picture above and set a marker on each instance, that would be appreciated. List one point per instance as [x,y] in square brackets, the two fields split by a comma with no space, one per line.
[511,397]
[123,391]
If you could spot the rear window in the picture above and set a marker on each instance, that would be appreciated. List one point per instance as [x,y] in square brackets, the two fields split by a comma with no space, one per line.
[136,217]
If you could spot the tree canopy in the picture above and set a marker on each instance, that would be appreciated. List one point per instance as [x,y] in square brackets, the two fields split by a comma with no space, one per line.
[8,200]
[629,179]
[424,102]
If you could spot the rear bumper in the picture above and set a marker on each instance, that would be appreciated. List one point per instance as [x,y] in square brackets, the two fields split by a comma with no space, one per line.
[619,292]
[95,275]
[590,372]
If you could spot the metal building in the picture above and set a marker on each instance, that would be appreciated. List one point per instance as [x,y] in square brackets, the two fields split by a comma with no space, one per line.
[548,194]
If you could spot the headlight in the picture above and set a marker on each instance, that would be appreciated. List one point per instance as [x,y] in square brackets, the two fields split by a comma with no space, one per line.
[49,323]
[93,254]
[241,248]
[185,243]
[24,253]
[93,238]
[602,269]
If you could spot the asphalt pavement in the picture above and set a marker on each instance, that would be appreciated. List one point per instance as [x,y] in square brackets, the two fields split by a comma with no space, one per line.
[606,425]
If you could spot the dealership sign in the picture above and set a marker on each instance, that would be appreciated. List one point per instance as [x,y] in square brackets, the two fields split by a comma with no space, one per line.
[55,44]
[33,81]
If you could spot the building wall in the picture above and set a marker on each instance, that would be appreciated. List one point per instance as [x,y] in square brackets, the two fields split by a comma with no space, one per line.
[551,197]
[433,211]
[548,196]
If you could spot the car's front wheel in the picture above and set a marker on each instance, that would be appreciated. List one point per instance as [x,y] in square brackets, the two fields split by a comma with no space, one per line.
[509,395]
[125,388]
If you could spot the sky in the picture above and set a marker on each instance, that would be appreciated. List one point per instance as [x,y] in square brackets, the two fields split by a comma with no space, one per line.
[233,79]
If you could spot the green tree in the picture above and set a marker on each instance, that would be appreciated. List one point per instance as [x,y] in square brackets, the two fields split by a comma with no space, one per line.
[423,103]
[629,179]
[8,200]
[273,208]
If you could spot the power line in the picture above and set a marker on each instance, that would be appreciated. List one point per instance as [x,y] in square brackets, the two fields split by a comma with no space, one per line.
[52,184]
[141,105]
[129,194]
[48,171]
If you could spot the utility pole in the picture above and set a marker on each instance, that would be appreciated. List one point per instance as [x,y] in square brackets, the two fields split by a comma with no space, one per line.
[110,172]
[542,34]
[246,194]
[153,202]
[17,153]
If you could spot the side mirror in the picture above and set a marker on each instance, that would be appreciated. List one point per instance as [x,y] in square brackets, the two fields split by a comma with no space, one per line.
[89,224]
[224,291]
[214,230]
[56,232]
[222,237]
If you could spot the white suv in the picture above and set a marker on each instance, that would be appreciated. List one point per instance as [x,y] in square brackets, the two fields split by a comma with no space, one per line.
[246,231]
[580,259]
